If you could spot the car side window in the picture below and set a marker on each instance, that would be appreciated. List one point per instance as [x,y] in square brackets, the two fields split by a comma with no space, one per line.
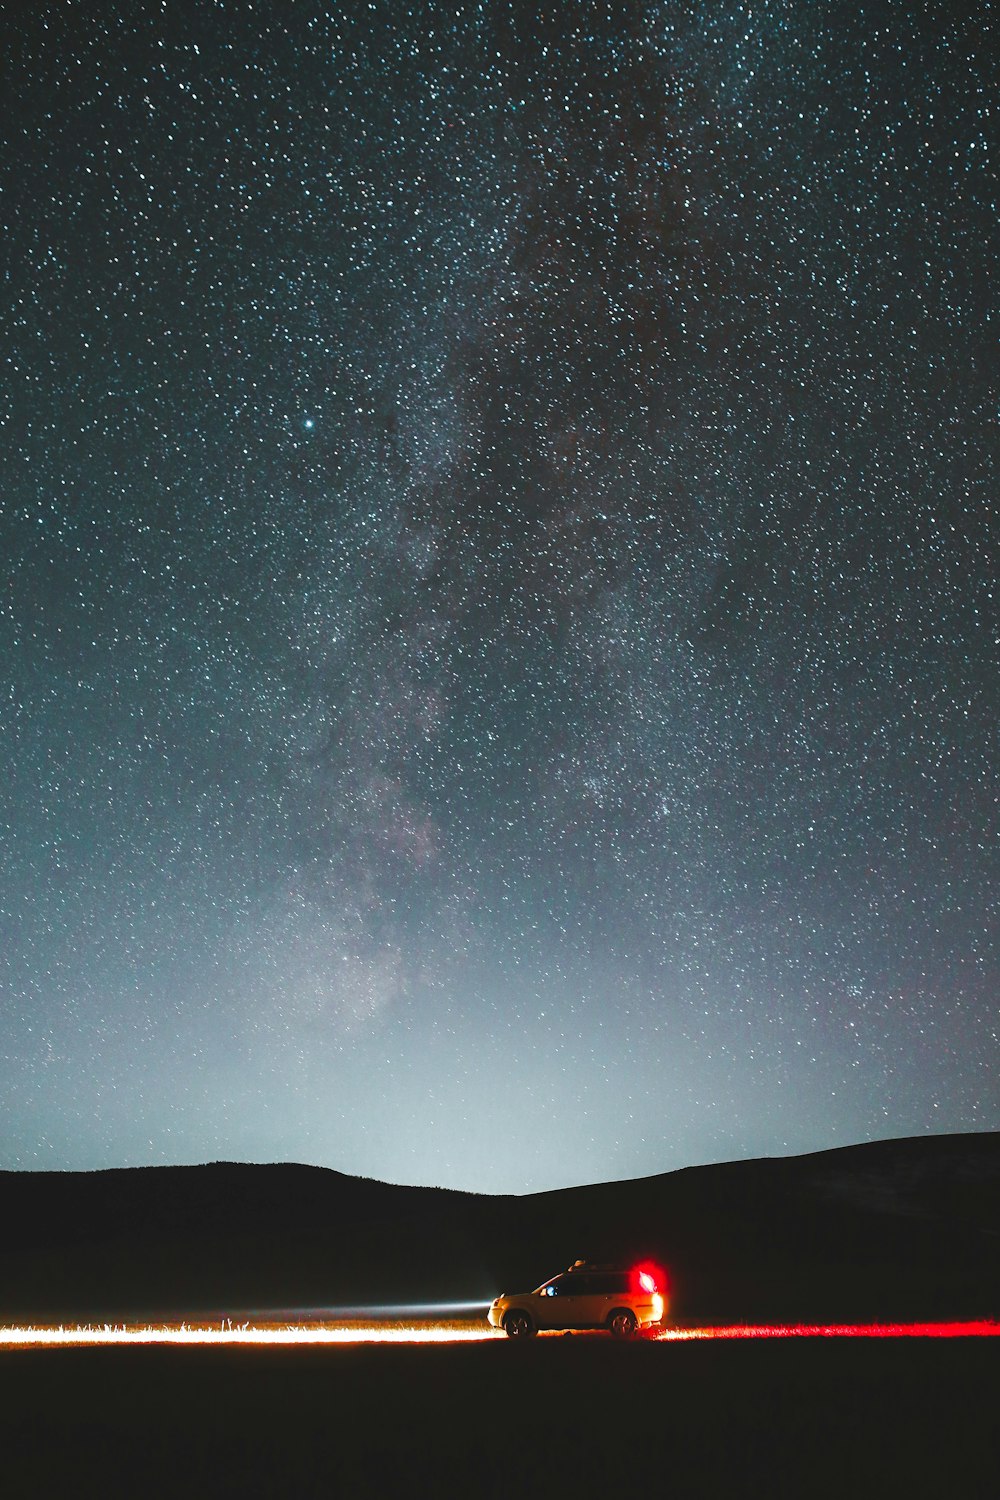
[612,1285]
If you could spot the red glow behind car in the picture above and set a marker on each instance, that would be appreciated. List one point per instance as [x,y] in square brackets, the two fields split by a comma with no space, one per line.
[649,1277]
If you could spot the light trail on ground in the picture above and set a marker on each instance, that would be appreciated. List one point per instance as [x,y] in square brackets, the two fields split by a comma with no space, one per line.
[241,1334]
[836,1331]
[271,1336]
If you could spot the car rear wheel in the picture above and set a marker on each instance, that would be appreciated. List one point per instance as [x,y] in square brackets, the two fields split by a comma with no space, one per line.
[622,1323]
[517,1324]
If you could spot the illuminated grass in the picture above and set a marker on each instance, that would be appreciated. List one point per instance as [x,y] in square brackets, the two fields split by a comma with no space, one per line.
[245,1334]
[838,1331]
[452,1332]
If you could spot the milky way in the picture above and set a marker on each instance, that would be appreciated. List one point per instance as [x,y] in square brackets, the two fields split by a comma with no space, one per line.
[498,615]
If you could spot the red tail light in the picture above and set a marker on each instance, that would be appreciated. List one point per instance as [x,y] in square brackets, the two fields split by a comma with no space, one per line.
[649,1277]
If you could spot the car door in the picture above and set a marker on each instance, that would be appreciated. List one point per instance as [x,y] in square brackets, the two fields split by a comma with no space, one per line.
[558,1303]
[589,1301]
[606,1296]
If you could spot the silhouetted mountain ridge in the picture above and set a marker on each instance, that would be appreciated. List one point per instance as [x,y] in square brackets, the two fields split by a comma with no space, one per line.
[891,1229]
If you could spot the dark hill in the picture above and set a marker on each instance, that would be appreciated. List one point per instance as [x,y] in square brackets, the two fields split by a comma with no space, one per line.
[892,1230]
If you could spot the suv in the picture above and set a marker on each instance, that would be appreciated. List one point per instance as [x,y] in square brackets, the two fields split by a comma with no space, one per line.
[585,1296]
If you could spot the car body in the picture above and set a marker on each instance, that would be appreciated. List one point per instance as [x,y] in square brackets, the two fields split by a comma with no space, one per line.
[621,1300]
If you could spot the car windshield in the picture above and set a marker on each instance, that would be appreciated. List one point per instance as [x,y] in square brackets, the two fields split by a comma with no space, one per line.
[549,1288]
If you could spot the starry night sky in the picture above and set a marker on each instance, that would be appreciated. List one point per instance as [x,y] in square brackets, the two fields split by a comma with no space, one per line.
[498,619]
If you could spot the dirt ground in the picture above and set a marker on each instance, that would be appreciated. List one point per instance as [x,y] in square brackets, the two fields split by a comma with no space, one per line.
[576,1415]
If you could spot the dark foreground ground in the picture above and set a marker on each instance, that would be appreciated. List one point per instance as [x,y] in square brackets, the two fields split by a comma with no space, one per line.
[578,1416]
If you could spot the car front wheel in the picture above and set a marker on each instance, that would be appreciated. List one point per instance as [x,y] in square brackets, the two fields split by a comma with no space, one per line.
[622,1323]
[517,1325]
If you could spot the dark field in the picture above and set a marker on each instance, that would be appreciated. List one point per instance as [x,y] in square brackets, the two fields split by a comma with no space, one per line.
[575,1415]
[892,1231]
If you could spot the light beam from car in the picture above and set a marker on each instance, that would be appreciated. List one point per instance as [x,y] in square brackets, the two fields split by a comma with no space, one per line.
[390,1311]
